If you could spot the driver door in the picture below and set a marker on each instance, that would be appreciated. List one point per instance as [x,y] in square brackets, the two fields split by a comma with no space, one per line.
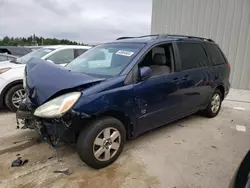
[157,98]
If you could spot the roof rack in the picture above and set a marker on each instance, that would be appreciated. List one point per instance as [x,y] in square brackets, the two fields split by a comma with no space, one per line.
[168,35]
[184,36]
[121,38]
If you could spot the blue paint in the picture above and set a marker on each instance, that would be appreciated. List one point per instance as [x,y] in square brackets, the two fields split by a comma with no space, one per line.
[147,103]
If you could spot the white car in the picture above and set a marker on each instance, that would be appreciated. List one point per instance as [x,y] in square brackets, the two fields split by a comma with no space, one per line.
[11,72]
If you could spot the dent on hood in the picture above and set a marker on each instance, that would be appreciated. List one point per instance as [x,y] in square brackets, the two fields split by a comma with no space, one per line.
[46,80]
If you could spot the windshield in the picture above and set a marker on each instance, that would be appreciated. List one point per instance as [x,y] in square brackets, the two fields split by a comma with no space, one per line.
[105,60]
[35,54]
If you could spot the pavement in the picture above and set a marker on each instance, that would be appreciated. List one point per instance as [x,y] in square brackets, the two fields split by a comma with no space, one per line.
[194,152]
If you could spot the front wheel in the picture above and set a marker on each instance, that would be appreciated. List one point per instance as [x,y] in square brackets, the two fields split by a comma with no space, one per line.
[100,144]
[14,97]
[214,105]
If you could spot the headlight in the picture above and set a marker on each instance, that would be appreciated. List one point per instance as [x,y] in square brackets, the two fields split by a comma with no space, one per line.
[4,69]
[58,106]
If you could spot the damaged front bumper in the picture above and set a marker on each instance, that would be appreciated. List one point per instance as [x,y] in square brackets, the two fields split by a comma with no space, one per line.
[52,131]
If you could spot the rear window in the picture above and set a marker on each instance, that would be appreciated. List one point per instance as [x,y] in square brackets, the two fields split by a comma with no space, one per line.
[192,55]
[215,54]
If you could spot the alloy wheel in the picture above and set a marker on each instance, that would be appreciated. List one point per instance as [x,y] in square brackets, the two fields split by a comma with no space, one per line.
[17,97]
[106,144]
[215,103]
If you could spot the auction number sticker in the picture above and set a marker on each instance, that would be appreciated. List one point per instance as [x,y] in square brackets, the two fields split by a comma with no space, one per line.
[124,53]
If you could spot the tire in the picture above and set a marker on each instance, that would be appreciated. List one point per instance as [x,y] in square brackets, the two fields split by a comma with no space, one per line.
[94,132]
[212,111]
[10,94]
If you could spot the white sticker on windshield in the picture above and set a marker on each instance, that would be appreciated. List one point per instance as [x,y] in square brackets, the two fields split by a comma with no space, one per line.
[124,53]
[48,50]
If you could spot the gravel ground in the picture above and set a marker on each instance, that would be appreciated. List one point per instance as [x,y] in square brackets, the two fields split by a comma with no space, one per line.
[194,152]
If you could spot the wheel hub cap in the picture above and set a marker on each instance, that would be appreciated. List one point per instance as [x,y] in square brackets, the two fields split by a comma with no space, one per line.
[215,104]
[106,144]
[17,97]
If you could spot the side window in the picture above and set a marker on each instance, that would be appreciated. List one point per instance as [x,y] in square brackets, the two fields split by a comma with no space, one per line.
[159,59]
[10,58]
[62,57]
[79,52]
[192,55]
[3,58]
[215,54]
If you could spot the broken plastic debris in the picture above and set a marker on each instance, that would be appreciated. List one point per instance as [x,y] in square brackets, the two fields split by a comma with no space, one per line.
[67,171]
[19,162]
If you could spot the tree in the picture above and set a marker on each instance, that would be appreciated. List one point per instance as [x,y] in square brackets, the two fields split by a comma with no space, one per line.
[33,40]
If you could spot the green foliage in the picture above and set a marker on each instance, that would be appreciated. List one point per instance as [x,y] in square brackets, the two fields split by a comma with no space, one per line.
[34,40]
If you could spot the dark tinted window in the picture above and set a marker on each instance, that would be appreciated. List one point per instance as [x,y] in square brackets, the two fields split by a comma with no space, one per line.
[192,55]
[215,54]
[79,52]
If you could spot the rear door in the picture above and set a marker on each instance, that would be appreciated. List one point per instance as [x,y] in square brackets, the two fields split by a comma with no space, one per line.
[195,76]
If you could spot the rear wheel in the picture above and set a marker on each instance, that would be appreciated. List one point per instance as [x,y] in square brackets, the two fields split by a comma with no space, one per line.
[100,144]
[214,105]
[14,97]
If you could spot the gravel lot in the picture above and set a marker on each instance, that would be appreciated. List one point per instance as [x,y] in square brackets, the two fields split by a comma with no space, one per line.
[190,153]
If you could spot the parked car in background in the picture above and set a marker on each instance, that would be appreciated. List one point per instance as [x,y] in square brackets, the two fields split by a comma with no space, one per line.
[11,72]
[15,50]
[119,90]
[33,48]
[7,57]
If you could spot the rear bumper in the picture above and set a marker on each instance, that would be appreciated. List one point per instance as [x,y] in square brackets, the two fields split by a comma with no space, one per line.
[227,88]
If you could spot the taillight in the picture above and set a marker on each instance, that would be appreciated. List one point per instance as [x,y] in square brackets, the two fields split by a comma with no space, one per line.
[228,65]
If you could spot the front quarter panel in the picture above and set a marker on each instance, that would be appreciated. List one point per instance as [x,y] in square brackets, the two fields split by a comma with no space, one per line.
[119,99]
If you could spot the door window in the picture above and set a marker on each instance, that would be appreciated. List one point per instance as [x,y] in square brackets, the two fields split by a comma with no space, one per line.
[192,55]
[62,57]
[159,59]
[79,52]
[11,58]
[3,58]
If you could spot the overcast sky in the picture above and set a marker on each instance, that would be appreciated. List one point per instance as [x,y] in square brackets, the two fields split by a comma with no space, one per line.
[79,20]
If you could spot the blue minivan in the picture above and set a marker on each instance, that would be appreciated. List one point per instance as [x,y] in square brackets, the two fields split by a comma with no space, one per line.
[119,90]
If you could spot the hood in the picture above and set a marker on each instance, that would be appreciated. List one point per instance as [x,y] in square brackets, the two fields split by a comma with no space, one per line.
[4,64]
[44,79]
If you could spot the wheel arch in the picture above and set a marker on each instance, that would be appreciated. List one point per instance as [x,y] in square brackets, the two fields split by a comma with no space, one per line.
[221,88]
[127,122]
[6,89]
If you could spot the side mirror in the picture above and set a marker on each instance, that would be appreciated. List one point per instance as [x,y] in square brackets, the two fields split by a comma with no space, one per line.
[145,73]
[49,61]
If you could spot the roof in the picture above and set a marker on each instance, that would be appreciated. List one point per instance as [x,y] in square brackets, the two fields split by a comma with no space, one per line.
[67,46]
[161,37]
[15,50]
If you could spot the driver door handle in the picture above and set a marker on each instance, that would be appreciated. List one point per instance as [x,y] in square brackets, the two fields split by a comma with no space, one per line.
[176,80]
